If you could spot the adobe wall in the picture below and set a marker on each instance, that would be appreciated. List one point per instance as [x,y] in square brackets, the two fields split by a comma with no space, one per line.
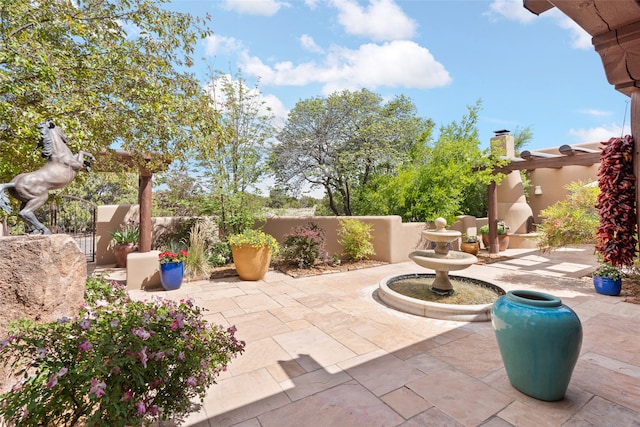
[392,239]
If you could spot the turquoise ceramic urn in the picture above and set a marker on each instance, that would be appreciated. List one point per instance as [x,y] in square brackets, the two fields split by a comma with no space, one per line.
[539,340]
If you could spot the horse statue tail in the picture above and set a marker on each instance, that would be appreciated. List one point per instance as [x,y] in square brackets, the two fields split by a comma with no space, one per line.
[5,204]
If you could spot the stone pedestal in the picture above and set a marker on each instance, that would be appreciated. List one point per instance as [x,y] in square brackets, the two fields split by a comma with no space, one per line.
[43,278]
[143,270]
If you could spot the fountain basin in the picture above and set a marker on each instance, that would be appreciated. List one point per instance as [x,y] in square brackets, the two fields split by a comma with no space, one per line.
[453,260]
[457,312]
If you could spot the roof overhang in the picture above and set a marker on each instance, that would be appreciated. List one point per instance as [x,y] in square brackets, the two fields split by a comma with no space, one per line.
[615,30]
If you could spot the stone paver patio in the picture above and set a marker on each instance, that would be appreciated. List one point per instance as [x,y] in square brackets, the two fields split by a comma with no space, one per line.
[323,351]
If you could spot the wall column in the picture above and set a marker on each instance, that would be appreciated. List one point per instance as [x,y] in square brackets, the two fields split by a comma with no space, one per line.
[144,200]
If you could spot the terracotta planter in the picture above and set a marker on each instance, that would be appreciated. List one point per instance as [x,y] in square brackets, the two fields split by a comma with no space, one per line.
[503,241]
[121,251]
[251,263]
[470,248]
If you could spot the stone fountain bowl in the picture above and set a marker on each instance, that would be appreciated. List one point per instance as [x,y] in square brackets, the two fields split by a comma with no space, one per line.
[452,261]
[434,310]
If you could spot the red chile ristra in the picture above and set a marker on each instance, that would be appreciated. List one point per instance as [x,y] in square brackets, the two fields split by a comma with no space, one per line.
[616,205]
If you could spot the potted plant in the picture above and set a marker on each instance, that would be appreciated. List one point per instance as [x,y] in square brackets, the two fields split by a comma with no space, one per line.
[503,237]
[125,240]
[470,244]
[607,279]
[252,251]
[172,268]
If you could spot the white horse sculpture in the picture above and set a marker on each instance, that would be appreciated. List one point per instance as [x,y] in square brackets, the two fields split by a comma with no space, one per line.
[32,188]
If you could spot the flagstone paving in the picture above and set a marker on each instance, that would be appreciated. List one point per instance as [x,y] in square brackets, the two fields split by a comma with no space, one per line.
[324,351]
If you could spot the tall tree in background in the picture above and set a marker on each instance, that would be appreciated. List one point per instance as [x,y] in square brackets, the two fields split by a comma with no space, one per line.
[434,184]
[232,158]
[341,143]
[106,71]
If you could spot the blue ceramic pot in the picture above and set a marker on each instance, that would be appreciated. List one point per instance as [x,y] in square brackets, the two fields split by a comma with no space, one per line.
[171,275]
[607,286]
[539,340]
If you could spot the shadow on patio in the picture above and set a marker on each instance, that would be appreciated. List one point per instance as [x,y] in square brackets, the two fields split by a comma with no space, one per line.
[321,351]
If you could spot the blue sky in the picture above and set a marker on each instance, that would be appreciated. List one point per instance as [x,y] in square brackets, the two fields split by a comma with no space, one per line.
[528,70]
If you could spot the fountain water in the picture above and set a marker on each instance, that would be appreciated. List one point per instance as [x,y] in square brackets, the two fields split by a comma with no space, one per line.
[442,261]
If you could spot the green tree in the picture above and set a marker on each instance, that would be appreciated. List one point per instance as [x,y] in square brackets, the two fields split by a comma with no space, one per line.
[231,157]
[341,143]
[234,158]
[436,182]
[108,72]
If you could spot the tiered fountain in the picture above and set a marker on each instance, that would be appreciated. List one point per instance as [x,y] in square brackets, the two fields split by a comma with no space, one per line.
[442,261]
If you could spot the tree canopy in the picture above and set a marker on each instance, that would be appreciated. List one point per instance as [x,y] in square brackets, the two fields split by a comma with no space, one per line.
[108,71]
[340,143]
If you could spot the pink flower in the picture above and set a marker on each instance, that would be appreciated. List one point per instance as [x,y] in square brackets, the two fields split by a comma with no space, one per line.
[97,388]
[115,323]
[128,395]
[142,333]
[141,408]
[85,345]
[143,356]
[84,324]
[53,380]
[192,381]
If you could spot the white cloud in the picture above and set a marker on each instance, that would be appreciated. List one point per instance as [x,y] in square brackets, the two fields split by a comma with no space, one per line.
[312,4]
[599,134]
[513,10]
[580,39]
[308,43]
[595,113]
[265,101]
[510,9]
[255,7]
[393,64]
[215,44]
[381,20]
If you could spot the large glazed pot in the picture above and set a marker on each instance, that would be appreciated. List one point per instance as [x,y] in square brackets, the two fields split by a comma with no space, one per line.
[252,263]
[171,275]
[539,340]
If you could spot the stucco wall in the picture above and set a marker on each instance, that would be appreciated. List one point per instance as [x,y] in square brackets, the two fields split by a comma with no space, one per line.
[392,240]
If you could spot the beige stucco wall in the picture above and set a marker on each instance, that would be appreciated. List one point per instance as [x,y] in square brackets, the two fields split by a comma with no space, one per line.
[109,218]
[392,240]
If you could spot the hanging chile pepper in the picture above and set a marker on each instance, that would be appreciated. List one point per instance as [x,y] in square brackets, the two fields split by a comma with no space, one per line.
[616,235]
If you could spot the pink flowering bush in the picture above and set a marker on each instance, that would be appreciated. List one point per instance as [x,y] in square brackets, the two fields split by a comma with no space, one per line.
[120,363]
[303,245]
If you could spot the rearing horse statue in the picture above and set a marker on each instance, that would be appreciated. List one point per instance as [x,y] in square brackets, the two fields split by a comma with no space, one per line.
[32,188]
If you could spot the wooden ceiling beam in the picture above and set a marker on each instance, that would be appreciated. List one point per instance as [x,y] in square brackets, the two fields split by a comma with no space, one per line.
[582,159]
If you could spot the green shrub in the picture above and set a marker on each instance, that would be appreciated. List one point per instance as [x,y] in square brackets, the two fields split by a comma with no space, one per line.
[355,238]
[303,245]
[197,262]
[219,254]
[571,221]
